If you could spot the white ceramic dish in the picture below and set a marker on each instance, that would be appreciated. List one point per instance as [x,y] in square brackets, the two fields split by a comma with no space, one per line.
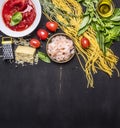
[7,31]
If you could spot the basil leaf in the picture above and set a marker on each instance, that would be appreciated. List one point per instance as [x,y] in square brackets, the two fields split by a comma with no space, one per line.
[81,31]
[101,39]
[43,57]
[16,18]
[116,18]
[84,21]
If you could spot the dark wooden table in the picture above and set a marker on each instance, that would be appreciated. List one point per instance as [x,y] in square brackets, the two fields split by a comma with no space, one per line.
[55,95]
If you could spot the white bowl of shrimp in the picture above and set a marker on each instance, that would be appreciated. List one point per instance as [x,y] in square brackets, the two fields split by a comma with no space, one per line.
[60,48]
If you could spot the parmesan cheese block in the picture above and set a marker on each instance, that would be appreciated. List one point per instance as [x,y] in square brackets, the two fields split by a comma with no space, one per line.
[25,54]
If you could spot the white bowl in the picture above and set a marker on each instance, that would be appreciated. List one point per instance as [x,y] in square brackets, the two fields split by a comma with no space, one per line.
[7,31]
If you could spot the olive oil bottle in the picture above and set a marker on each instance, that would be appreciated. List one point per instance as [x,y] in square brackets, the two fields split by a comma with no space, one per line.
[105,8]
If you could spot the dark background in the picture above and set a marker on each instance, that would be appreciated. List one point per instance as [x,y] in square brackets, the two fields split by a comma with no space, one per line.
[55,95]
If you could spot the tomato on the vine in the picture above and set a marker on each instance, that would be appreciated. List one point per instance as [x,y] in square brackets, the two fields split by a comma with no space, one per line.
[42,34]
[85,43]
[52,26]
[35,43]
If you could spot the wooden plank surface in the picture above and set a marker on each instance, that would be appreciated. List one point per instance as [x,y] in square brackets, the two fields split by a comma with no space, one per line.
[55,95]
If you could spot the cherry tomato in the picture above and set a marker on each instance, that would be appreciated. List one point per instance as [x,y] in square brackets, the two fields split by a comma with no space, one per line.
[42,34]
[85,43]
[51,26]
[35,43]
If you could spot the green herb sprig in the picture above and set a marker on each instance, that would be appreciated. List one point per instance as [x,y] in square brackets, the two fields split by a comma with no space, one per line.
[107,29]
